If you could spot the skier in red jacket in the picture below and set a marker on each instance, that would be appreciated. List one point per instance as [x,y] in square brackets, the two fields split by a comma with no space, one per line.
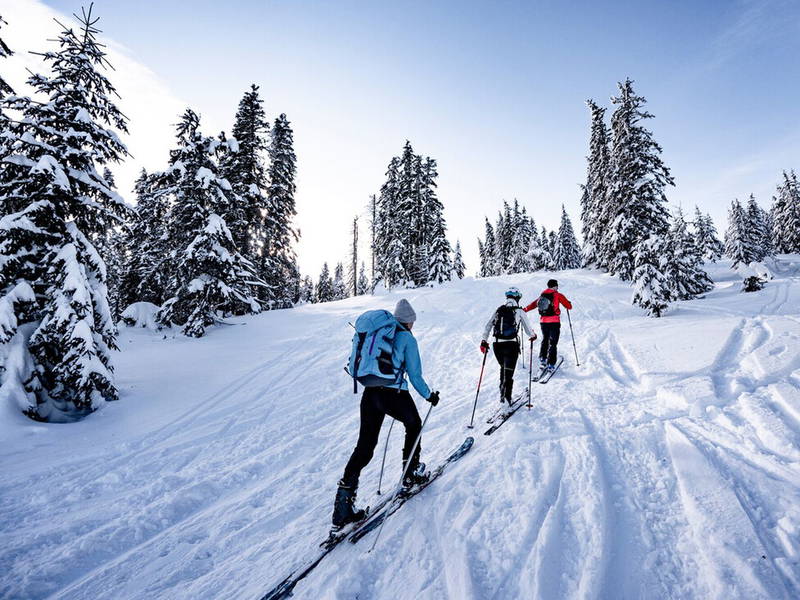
[550,312]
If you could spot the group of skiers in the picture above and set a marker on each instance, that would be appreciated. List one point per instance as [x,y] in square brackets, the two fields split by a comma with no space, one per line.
[385,350]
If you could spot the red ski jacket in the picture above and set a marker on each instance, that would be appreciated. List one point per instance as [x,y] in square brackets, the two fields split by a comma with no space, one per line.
[559,299]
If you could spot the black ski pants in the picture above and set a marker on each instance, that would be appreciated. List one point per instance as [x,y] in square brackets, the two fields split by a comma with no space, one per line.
[550,335]
[376,403]
[506,354]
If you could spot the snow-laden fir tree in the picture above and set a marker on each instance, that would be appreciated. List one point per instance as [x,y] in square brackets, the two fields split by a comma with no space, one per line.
[759,229]
[539,257]
[489,252]
[638,178]
[786,215]
[279,262]
[683,262]
[245,170]
[56,319]
[306,290]
[706,238]
[552,242]
[567,250]
[209,279]
[324,290]
[340,290]
[352,264]
[144,273]
[651,287]
[5,52]
[363,286]
[459,268]
[739,241]
[594,205]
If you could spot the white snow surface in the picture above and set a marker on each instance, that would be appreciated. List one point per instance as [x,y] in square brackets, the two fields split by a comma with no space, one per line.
[666,465]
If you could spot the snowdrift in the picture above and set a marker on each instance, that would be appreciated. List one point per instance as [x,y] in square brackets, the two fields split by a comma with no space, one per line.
[666,466]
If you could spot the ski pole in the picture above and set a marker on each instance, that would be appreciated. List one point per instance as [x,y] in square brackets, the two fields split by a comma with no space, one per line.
[577,362]
[383,462]
[475,404]
[403,476]
[530,376]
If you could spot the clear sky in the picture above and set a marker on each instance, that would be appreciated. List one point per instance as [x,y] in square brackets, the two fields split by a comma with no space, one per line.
[494,91]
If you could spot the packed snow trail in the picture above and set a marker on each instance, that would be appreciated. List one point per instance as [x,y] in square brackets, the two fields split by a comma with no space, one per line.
[666,466]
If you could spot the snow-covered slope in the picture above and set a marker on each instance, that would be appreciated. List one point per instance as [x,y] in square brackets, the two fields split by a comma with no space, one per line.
[666,466]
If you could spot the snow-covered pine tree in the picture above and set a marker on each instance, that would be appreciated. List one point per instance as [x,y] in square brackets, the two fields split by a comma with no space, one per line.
[278,261]
[651,287]
[373,229]
[112,249]
[306,290]
[5,52]
[441,264]
[209,278]
[340,290]
[594,199]
[324,289]
[786,215]
[482,268]
[385,225]
[245,171]
[739,246]
[552,242]
[567,249]
[363,281]
[55,312]
[352,264]
[683,265]
[638,178]
[758,229]
[538,256]
[459,268]
[706,239]
[490,250]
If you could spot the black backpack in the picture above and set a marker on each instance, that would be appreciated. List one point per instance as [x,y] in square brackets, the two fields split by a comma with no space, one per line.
[547,304]
[505,324]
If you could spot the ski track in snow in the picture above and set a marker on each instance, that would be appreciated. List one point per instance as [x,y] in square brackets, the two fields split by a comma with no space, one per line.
[666,466]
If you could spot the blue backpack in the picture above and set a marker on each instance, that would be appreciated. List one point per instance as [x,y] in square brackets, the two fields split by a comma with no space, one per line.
[371,356]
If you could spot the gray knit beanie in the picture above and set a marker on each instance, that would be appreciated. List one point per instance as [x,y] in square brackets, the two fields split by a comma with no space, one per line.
[404,313]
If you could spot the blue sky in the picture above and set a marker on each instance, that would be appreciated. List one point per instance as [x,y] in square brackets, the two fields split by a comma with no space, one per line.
[494,91]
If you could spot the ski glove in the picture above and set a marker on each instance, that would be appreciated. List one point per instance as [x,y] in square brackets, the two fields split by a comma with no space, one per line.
[433,398]
[484,346]
[533,338]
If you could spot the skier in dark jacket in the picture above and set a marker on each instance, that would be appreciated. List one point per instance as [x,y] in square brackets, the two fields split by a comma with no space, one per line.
[505,324]
[395,401]
[551,323]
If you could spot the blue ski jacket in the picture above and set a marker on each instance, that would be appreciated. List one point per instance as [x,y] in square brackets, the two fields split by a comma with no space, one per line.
[405,358]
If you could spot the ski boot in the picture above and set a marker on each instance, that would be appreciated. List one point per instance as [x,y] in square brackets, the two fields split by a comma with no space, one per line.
[343,511]
[416,477]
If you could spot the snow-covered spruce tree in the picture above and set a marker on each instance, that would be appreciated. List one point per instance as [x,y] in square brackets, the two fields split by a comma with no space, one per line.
[209,279]
[278,261]
[144,273]
[352,264]
[481,259]
[594,199]
[567,250]
[459,268]
[245,170]
[339,287]
[683,263]
[786,215]
[56,317]
[490,251]
[638,178]
[739,242]
[5,52]
[306,290]
[706,239]
[324,290]
[651,287]
[363,281]
[539,257]
[552,242]
[760,234]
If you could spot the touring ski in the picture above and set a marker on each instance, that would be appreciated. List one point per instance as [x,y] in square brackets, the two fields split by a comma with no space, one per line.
[378,514]
[549,374]
[503,417]
[405,496]
[506,407]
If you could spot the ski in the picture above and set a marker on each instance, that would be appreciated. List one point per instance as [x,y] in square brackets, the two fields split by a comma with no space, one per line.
[507,415]
[547,377]
[285,587]
[505,407]
[542,371]
[405,496]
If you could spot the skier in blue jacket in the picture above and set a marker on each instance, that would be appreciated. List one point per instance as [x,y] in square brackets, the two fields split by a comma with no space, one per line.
[393,400]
